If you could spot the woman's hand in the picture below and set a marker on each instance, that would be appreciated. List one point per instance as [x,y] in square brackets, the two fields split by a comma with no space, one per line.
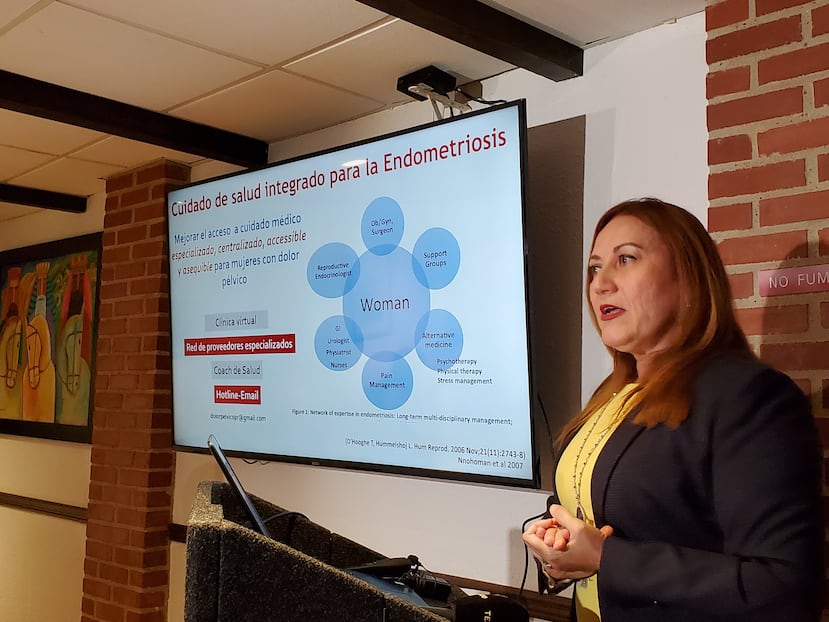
[567,547]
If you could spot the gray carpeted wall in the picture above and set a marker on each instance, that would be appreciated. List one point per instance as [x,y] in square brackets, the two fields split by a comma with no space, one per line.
[234,574]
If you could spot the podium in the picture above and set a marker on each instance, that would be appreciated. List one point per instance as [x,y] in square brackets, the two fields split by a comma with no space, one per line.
[235,574]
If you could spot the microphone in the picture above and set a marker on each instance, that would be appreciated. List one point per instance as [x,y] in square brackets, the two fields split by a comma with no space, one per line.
[391,567]
[426,584]
[410,572]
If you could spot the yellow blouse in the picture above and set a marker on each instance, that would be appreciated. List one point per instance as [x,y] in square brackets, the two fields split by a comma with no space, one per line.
[572,481]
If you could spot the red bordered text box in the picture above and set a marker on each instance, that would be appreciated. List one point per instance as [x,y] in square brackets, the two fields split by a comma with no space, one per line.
[247,344]
[233,394]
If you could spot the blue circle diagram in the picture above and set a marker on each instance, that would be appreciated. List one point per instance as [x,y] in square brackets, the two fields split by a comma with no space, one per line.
[382,225]
[332,270]
[386,304]
[438,255]
[441,340]
[387,385]
[338,343]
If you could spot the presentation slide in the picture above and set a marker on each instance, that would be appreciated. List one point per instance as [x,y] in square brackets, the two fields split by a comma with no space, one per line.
[365,306]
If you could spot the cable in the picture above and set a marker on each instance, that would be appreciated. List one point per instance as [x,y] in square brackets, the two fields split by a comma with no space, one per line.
[550,500]
[253,461]
[289,528]
[527,551]
[546,420]
[285,513]
[481,100]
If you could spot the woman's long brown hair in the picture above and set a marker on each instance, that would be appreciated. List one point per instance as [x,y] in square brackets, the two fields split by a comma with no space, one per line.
[707,322]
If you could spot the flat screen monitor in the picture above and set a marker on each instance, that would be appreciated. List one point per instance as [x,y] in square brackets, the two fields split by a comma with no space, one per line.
[363,307]
[239,491]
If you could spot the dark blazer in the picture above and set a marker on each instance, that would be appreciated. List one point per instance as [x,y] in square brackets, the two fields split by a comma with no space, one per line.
[719,519]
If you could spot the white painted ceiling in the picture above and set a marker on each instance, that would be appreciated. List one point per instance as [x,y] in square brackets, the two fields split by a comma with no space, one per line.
[268,69]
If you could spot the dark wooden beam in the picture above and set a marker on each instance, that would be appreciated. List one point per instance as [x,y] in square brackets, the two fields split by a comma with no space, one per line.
[58,103]
[492,32]
[21,195]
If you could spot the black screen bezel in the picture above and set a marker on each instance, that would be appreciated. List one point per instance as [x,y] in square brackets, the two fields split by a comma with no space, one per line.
[534,480]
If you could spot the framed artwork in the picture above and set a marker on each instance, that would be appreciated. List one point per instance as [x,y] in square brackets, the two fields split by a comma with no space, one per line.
[48,331]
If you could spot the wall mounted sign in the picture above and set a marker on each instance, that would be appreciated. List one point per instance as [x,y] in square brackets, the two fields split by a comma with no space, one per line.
[800,280]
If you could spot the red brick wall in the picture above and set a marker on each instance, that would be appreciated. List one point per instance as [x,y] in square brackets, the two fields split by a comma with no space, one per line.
[126,570]
[768,151]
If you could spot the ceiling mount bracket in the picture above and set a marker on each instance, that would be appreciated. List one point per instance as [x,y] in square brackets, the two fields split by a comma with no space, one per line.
[435,85]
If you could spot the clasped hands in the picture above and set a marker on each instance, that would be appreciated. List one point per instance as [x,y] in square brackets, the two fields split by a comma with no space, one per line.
[566,546]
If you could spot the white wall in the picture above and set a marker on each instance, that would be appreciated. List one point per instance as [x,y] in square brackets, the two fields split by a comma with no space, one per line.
[644,99]
[41,566]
